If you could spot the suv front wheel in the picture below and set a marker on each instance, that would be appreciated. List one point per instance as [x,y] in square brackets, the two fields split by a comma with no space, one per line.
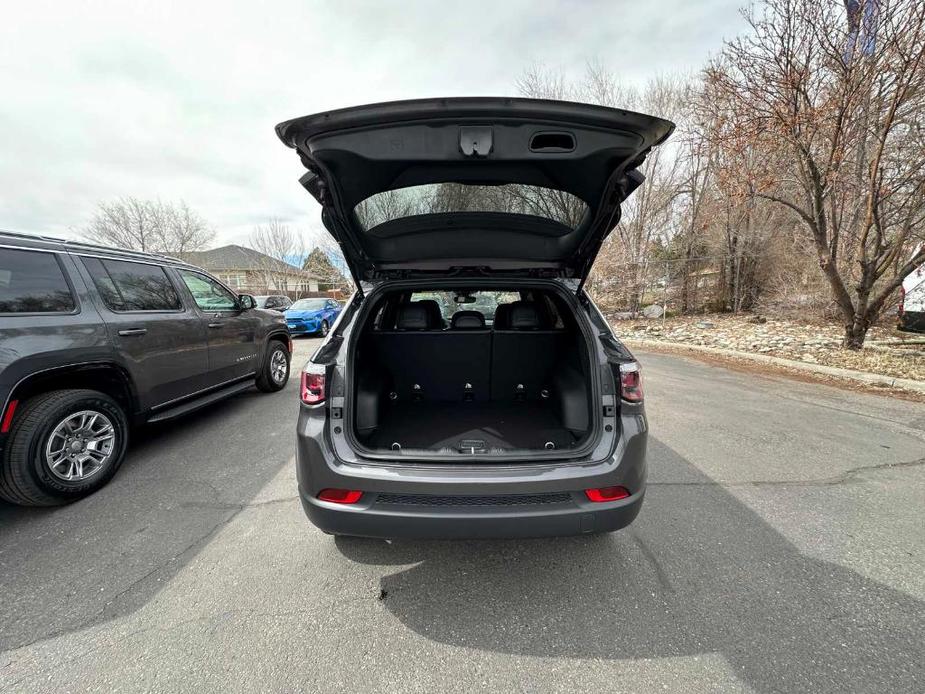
[274,373]
[65,444]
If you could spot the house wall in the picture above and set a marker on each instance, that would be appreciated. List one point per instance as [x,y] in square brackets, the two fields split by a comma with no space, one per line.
[262,283]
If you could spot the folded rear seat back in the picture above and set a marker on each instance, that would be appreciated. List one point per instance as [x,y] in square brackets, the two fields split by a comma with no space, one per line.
[525,351]
[429,363]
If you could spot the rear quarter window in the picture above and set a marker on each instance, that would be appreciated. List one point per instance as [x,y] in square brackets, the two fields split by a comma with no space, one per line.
[128,286]
[33,282]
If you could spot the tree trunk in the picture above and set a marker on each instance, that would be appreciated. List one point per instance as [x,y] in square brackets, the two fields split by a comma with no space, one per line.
[856,328]
[855,334]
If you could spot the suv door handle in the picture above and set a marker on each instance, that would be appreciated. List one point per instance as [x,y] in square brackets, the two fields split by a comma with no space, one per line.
[216,325]
[129,332]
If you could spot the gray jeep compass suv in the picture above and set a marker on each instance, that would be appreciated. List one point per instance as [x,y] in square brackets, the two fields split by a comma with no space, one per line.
[94,340]
[471,388]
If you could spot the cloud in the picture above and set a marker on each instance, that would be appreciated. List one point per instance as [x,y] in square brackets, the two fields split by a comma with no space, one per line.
[179,100]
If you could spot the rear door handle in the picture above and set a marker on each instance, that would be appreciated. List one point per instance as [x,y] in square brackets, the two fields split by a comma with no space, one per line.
[216,325]
[129,332]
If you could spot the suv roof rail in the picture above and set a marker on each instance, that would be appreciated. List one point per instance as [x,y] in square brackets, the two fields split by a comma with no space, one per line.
[127,251]
[77,244]
[40,237]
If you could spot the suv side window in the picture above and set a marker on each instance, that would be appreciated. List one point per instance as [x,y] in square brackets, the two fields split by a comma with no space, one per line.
[128,286]
[33,282]
[208,294]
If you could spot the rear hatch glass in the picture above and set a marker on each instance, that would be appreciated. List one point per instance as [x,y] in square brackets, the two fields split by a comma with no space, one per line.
[450,198]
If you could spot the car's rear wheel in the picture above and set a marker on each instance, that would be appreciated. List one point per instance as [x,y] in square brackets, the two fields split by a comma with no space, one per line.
[275,372]
[64,445]
[324,328]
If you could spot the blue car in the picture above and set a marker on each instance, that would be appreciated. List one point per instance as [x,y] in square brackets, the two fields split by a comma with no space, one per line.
[312,316]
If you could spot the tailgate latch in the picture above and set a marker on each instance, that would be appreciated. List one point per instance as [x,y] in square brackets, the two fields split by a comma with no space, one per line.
[475,142]
[472,446]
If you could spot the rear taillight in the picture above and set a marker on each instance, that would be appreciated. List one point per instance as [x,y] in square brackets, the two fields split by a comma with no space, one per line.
[607,494]
[340,496]
[630,382]
[312,390]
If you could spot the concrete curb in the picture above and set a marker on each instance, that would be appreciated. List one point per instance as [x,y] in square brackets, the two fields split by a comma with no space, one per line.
[861,376]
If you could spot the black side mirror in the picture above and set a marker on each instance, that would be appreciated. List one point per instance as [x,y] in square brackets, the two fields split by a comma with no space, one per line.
[247,302]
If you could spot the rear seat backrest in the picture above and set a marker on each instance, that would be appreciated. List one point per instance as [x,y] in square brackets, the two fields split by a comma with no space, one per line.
[467,320]
[416,315]
[441,362]
[433,313]
[502,319]
[529,315]
[524,351]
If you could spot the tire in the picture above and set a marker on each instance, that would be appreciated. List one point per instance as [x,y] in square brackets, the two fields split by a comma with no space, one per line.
[28,476]
[324,329]
[274,375]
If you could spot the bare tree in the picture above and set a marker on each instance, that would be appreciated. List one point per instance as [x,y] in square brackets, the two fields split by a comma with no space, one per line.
[183,229]
[340,277]
[541,82]
[126,223]
[284,251]
[394,204]
[835,105]
[650,213]
[148,225]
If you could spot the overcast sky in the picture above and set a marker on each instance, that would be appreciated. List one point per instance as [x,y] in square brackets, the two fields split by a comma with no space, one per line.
[178,100]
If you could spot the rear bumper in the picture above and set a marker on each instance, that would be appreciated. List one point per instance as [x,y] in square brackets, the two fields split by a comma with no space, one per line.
[389,521]
[302,329]
[474,501]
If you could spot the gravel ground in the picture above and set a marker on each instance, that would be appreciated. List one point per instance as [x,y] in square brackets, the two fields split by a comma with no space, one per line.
[814,343]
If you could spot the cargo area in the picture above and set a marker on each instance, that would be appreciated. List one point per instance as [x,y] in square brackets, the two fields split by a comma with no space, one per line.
[471,372]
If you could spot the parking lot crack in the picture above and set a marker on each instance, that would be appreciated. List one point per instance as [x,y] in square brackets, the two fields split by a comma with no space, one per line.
[647,552]
[231,506]
[850,475]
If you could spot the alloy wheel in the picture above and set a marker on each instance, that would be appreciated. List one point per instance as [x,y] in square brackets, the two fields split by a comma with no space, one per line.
[80,445]
[278,365]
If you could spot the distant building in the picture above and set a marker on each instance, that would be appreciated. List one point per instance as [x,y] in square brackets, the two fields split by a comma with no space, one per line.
[247,270]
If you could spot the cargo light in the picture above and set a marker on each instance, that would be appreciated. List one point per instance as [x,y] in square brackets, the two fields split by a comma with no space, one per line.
[340,496]
[607,494]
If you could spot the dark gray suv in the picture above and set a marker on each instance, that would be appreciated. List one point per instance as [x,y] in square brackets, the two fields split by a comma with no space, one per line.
[471,388]
[94,340]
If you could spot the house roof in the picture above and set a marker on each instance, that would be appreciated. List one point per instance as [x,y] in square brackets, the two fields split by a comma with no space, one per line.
[234,257]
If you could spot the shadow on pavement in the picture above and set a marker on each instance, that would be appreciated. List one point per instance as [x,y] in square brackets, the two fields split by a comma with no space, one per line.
[697,573]
[70,567]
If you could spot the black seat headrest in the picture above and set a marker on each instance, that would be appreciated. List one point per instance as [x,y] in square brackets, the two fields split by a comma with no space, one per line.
[467,320]
[416,315]
[434,316]
[526,315]
[502,320]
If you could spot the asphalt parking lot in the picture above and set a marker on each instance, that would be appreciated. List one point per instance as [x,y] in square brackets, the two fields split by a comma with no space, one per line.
[781,548]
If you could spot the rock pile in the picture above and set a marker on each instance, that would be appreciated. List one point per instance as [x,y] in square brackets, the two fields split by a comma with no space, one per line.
[808,342]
